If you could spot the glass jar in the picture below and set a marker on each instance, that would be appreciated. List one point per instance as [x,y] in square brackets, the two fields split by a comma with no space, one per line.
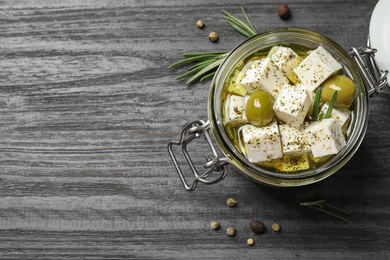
[297,39]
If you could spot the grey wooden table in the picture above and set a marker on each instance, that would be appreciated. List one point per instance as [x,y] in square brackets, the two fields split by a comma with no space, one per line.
[87,107]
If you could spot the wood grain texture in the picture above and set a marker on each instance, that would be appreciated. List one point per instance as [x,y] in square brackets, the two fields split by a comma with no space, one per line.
[87,107]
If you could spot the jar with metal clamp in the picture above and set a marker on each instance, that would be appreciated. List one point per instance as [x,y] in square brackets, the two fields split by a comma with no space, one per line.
[359,64]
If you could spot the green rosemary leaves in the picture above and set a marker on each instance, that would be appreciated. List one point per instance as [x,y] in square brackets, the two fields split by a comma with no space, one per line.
[244,27]
[317,103]
[205,67]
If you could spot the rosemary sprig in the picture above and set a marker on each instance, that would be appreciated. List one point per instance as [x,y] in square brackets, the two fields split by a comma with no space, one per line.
[205,68]
[245,28]
[196,57]
[325,207]
[208,62]
[331,105]
[316,104]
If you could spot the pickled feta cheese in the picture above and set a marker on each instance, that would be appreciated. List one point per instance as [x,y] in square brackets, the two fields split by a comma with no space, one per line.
[286,60]
[234,111]
[294,140]
[261,143]
[341,116]
[292,105]
[235,87]
[325,137]
[312,94]
[293,163]
[264,75]
[316,68]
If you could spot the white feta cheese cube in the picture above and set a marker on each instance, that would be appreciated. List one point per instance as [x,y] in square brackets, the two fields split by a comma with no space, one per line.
[294,140]
[234,111]
[235,87]
[312,94]
[316,68]
[292,105]
[293,163]
[286,59]
[264,75]
[262,143]
[340,116]
[325,137]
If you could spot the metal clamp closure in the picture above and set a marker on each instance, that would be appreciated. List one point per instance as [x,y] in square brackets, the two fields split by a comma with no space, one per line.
[191,131]
[375,78]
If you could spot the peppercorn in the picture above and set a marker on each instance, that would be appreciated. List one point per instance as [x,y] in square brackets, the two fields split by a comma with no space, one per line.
[257,227]
[231,202]
[230,231]
[275,227]
[215,225]
[213,36]
[250,241]
[284,11]
[200,24]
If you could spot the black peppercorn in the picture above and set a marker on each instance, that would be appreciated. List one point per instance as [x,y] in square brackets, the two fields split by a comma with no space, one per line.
[284,11]
[257,227]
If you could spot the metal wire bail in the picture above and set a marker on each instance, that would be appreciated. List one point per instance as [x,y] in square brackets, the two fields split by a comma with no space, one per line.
[375,78]
[191,131]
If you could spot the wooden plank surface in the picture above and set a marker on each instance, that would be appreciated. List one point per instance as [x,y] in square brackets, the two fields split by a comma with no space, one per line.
[87,107]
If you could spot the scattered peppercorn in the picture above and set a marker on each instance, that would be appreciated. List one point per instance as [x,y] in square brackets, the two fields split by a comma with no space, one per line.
[257,227]
[250,241]
[284,11]
[215,225]
[275,227]
[230,231]
[231,202]
[200,24]
[213,36]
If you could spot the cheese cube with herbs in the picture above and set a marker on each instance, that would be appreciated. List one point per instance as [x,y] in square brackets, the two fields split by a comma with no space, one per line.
[339,115]
[316,68]
[293,163]
[264,75]
[325,137]
[292,105]
[262,143]
[312,94]
[235,87]
[294,140]
[234,111]
[286,59]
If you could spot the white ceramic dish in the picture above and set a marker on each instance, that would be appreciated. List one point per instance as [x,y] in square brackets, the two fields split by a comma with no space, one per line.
[379,34]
